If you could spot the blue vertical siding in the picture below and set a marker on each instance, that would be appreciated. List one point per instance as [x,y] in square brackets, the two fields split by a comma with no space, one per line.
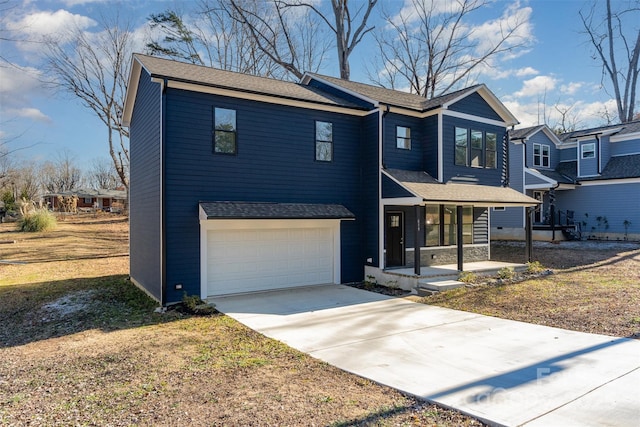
[605,152]
[620,148]
[470,174]
[475,105]
[144,196]
[370,190]
[587,167]
[603,201]
[430,162]
[398,158]
[275,162]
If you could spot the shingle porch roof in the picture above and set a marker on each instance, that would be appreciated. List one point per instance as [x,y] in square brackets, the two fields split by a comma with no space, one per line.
[429,190]
[267,210]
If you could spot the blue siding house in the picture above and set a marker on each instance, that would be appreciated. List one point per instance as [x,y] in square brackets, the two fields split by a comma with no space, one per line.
[587,181]
[241,183]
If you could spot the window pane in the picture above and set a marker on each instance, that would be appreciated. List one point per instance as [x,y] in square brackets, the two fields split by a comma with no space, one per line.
[491,141]
[476,157]
[432,226]
[476,139]
[545,161]
[323,151]
[492,161]
[225,142]
[588,151]
[324,131]
[545,150]
[225,119]
[461,147]
[536,149]
[403,137]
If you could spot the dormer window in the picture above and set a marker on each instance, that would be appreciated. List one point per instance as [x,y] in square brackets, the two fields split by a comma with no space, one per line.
[541,155]
[589,150]
[403,138]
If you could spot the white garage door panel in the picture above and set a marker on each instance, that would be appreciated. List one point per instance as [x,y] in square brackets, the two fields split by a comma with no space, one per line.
[246,260]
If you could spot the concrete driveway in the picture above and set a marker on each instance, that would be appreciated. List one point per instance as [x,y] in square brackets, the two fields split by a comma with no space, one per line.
[501,371]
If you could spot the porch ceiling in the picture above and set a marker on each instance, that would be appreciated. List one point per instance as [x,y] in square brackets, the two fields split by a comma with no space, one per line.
[424,186]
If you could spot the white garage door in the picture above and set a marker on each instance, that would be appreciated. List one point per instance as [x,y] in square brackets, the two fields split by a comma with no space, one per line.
[257,259]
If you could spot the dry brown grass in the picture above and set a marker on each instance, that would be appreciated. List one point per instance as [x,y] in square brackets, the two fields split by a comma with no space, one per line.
[595,288]
[79,345]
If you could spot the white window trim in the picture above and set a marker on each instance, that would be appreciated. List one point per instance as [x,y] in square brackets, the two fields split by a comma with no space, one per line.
[541,155]
[582,150]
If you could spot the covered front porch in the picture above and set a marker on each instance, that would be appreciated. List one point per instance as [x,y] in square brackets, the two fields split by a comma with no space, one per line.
[434,278]
[432,231]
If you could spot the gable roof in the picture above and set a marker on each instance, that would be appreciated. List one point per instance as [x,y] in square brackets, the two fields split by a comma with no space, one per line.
[428,189]
[181,72]
[524,134]
[620,129]
[413,101]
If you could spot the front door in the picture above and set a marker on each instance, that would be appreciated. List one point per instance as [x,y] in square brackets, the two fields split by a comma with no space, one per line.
[395,239]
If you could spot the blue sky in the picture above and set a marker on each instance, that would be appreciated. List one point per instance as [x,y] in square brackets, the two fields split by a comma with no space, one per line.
[556,67]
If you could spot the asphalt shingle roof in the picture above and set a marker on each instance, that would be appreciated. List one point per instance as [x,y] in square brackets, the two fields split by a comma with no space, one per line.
[631,127]
[180,71]
[557,176]
[618,167]
[266,210]
[423,185]
[524,132]
[394,97]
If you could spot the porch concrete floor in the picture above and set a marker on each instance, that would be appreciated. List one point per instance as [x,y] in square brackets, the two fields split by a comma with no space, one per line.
[452,269]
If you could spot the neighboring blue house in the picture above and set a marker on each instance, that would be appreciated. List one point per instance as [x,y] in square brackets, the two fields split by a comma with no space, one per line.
[588,180]
[241,183]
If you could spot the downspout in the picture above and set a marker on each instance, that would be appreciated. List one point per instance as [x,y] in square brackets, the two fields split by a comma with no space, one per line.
[552,210]
[163,235]
[381,217]
[599,154]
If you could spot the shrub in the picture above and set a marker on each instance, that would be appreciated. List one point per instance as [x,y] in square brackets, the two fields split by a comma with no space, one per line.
[37,220]
[506,273]
[534,267]
[467,277]
[195,305]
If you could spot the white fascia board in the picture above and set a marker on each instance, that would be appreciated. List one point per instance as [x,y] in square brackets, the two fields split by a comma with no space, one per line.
[441,148]
[538,187]
[625,137]
[610,182]
[551,135]
[492,100]
[132,90]
[475,118]
[265,98]
[306,78]
[402,201]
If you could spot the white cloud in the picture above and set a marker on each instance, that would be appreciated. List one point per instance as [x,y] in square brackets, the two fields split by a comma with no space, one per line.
[514,23]
[538,85]
[31,113]
[571,88]
[38,25]
[526,71]
[581,114]
[17,84]
[71,3]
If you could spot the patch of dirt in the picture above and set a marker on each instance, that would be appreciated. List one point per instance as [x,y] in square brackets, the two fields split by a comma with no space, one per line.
[66,305]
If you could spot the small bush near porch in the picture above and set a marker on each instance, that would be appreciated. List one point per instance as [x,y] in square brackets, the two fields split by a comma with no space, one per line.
[595,288]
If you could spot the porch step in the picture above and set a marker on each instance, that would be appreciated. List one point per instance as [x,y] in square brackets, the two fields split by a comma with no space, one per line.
[431,286]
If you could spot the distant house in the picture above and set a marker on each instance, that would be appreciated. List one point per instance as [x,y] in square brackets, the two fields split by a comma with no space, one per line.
[587,180]
[241,183]
[88,198]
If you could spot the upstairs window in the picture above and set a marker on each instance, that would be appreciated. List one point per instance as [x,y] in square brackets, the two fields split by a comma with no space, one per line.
[541,155]
[589,150]
[477,159]
[491,148]
[461,146]
[324,141]
[403,138]
[476,148]
[224,139]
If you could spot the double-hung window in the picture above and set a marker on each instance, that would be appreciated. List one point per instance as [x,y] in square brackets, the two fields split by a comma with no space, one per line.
[225,138]
[541,155]
[589,150]
[491,147]
[324,141]
[403,137]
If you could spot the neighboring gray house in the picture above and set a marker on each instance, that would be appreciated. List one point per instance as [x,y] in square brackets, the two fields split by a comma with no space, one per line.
[588,180]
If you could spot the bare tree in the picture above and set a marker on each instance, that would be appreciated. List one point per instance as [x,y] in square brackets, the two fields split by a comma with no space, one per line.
[210,36]
[290,39]
[568,120]
[94,68]
[345,26]
[61,174]
[102,174]
[611,41]
[433,48]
